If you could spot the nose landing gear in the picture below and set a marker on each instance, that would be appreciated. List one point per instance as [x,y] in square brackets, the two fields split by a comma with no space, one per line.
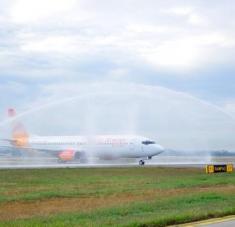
[142,162]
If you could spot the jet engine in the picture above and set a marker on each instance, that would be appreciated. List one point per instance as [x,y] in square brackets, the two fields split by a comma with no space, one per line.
[67,155]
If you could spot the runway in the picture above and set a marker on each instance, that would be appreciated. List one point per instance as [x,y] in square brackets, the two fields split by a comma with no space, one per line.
[46,166]
[8,162]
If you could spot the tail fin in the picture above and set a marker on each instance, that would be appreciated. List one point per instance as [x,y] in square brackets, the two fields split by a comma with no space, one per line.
[19,133]
[11,112]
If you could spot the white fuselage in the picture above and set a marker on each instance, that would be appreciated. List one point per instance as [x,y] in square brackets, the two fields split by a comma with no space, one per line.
[102,146]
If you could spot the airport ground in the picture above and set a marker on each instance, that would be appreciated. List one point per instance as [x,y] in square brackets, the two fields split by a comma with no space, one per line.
[136,196]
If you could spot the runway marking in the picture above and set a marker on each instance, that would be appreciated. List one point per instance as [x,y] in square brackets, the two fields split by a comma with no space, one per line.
[209,222]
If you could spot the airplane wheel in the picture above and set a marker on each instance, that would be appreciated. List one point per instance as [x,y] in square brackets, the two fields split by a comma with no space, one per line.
[141,163]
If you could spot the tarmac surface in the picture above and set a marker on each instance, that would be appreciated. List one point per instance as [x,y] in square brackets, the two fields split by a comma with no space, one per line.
[46,166]
[9,162]
[228,221]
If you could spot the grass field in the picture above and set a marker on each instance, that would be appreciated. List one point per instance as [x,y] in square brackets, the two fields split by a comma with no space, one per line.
[113,196]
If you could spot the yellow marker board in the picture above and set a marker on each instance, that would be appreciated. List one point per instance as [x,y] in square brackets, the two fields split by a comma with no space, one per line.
[230,168]
[219,168]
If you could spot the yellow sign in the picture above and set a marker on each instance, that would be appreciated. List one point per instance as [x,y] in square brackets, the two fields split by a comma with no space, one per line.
[219,168]
[230,168]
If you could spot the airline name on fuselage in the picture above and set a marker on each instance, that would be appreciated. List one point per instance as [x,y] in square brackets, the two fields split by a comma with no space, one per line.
[107,141]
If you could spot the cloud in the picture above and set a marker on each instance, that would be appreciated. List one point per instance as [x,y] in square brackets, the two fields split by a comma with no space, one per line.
[184,52]
[229,106]
[192,15]
[174,54]
[26,11]
[50,44]
[179,11]
[81,28]
[195,19]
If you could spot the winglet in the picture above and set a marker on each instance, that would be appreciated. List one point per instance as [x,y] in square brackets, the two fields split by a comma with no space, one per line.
[11,112]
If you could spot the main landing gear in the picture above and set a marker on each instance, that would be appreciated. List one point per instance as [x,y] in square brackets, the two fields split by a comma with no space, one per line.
[141,162]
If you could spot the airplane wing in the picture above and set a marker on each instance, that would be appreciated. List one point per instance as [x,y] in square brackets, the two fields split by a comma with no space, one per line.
[54,150]
[59,151]
[8,140]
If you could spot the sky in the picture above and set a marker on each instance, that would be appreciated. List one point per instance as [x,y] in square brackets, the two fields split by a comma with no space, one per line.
[54,49]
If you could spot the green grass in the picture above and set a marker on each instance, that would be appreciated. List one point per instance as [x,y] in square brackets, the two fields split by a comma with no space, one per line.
[161,195]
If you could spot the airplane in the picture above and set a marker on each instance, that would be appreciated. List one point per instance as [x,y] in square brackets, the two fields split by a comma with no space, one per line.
[69,148]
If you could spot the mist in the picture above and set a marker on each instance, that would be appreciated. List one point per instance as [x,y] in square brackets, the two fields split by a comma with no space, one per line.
[174,119]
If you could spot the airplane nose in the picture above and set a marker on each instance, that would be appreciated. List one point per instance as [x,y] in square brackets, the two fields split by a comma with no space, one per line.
[159,148]
[153,149]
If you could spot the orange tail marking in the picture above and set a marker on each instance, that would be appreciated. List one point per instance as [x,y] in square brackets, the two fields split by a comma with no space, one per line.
[19,134]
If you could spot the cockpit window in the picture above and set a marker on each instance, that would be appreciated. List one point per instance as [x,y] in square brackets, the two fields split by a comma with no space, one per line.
[147,142]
